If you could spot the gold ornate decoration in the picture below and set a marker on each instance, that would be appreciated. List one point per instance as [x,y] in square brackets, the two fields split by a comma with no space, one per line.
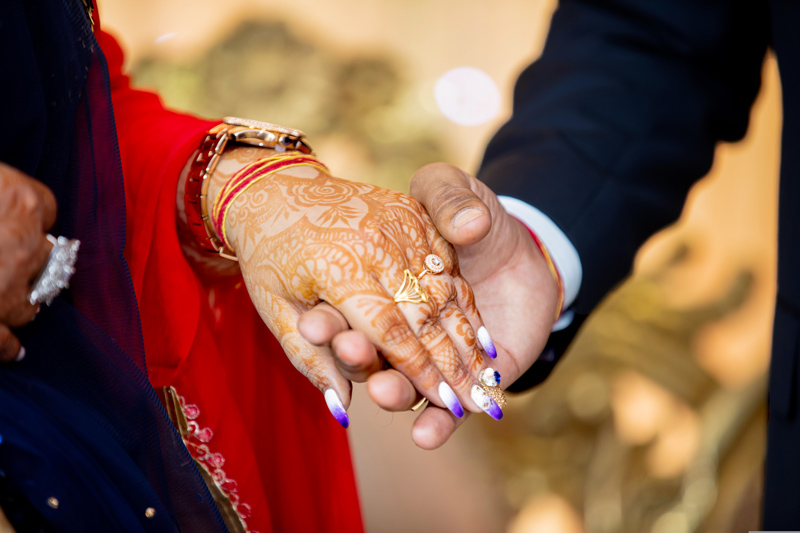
[496,394]
[223,489]
[410,291]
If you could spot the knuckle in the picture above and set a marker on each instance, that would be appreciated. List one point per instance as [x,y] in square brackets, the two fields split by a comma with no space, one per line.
[459,376]
[417,364]
[427,179]
[311,367]
[428,329]
[451,203]
[397,334]
[28,198]
[475,360]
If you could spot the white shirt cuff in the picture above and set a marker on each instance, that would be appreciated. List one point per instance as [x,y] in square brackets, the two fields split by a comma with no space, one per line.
[561,250]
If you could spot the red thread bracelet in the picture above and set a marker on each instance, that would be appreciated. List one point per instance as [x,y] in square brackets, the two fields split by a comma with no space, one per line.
[551,265]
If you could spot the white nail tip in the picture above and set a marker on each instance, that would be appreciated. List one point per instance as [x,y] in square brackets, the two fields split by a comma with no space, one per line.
[450,399]
[486,342]
[336,408]
[21,355]
[486,403]
[480,398]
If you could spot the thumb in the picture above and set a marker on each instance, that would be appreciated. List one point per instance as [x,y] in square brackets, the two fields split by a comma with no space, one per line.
[457,212]
[434,427]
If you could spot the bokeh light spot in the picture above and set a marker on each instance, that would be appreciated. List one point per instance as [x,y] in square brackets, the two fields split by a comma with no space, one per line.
[165,37]
[467,96]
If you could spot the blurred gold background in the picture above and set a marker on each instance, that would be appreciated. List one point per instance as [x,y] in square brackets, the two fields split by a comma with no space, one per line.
[655,420]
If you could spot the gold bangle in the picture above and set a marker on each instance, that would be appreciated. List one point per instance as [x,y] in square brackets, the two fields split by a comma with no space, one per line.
[247,177]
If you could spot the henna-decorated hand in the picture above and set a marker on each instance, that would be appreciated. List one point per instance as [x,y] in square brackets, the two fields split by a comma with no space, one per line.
[27,210]
[303,237]
[513,287]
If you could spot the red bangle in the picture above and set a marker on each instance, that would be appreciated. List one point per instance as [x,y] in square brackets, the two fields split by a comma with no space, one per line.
[197,182]
[551,265]
[248,176]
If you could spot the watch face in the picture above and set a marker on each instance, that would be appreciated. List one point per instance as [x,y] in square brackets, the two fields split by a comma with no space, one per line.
[255,124]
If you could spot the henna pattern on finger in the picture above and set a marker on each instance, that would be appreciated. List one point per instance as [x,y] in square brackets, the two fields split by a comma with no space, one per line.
[466,299]
[304,236]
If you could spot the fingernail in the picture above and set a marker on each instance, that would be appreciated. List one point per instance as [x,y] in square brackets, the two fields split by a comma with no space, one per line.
[486,403]
[450,399]
[490,377]
[336,408]
[466,215]
[21,354]
[486,342]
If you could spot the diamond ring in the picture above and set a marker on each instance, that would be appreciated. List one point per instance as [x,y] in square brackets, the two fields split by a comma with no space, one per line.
[433,264]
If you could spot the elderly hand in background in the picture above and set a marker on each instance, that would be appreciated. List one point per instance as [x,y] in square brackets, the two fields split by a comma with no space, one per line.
[513,287]
[27,211]
[304,238]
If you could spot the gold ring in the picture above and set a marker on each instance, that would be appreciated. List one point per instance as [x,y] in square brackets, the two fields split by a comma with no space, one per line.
[420,404]
[410,291]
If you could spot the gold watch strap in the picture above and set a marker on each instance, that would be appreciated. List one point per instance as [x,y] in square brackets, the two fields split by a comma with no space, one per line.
[266,135]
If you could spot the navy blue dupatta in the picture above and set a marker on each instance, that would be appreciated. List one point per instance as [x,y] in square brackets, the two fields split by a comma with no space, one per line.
[84,443]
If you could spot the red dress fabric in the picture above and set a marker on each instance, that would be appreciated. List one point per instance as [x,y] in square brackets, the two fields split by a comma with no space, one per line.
[270,441]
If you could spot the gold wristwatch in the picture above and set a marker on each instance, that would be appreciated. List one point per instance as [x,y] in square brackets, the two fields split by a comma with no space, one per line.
[239,131]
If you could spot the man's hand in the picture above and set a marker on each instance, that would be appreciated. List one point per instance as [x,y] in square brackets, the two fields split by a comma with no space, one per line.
[27,210]
[303,237]
[514,291]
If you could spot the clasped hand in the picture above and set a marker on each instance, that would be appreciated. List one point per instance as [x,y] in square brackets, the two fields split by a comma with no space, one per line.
[27,211]
[513,287]
[306,240]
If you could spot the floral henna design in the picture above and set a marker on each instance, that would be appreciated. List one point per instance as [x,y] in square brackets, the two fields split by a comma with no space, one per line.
[303,236]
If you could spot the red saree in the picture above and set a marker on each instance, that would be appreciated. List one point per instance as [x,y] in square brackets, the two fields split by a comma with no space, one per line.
[259,428]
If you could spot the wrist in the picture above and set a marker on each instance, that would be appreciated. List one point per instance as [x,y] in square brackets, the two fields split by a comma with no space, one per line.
[231,132]
[249,193]
[541,269]
[231,162]
[561,250]
[551,267]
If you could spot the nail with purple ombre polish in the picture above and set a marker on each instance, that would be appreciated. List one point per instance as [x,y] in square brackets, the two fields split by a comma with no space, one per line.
[336,407]
[486,342]
[450,399]
[486,403]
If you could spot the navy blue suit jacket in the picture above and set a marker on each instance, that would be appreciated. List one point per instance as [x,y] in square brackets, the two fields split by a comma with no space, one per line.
[614,123]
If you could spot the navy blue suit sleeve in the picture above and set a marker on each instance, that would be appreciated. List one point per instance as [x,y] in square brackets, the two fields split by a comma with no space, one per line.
[620,116]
